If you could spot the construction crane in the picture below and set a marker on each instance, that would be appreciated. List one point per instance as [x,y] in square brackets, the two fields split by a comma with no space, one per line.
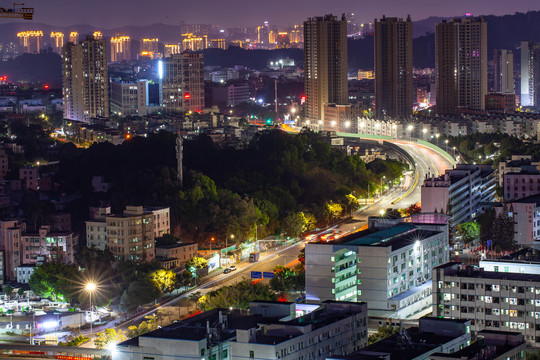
[21,13]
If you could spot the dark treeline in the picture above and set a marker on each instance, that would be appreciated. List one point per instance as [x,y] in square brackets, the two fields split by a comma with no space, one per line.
[226,191]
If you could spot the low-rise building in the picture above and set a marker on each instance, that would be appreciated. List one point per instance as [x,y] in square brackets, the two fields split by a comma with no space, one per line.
[268,331]
[162,220]
[521,184]
[24,272]
[501,301]
[47,246]
[96,227]
[433,335]
[515,165]
[526,215]
[30,176]
[129,98]
[130,236]
[524,261]
[390,267]
[459,192]
[175,255]
[490,345]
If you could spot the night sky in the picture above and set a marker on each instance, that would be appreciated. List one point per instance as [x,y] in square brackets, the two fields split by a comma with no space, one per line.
[112,13]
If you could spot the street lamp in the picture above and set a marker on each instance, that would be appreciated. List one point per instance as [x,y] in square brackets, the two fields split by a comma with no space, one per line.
[437,136]
[454,152]
[91,287]
[384,177]
[211,241]
[446,145]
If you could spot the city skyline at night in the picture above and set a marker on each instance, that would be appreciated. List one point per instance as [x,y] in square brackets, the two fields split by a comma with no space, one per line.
[162,11]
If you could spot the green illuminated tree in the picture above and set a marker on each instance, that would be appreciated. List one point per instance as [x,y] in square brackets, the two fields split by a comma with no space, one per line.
[351,204]
[165,279]
[54,281]
[104,340]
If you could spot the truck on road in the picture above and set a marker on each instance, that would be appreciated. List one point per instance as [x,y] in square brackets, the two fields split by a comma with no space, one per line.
[254,256]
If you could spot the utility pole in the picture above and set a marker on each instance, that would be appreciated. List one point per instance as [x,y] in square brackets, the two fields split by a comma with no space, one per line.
[180,159]
[275,95]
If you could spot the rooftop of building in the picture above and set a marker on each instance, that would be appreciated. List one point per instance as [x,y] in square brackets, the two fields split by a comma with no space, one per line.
[226,322]
[174,246]
[522,256]
[469,271]
[408,344]
[523,172]
[460,172]
[489,345]
[396,236]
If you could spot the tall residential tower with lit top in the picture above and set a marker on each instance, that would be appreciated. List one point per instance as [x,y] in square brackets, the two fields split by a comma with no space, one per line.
[394,90]
[325,64]
[85,80]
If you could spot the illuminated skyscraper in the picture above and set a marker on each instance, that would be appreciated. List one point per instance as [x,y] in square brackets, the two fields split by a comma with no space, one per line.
[504,71]
[194,43]
[120,48]
[183,82]
[461,64]
[325,64]
[172,49]
[296,34]
[74,37]
[30,41]
[394,91]
[85,80]
[57,41]
[150,48]
[98,35]
[218,44]
[530,74]
[263,34]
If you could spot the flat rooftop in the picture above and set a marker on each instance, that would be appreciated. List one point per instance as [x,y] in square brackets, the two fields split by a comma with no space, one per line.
[523,256]
[195,328]
[451,269]
[396,236]
[401,347]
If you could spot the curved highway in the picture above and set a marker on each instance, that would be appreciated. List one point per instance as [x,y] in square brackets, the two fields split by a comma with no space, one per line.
[428,163]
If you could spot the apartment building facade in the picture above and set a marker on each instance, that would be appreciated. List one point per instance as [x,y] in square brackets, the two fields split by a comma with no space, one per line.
[500,301]
[130,236]
[459,192]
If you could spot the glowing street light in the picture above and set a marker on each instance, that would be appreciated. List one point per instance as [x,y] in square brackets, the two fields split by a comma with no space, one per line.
[91,287]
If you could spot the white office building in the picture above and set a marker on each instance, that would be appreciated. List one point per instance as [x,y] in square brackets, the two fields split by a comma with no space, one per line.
[389,268]
[459,192]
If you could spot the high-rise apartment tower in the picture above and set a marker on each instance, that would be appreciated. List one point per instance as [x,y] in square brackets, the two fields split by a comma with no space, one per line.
[394,91]
[461,64]
[325,64]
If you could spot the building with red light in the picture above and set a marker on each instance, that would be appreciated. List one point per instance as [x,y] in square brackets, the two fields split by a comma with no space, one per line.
[183,82]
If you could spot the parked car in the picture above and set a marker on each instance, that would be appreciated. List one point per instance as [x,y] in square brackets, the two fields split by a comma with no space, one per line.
[226,271]
[232,268]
